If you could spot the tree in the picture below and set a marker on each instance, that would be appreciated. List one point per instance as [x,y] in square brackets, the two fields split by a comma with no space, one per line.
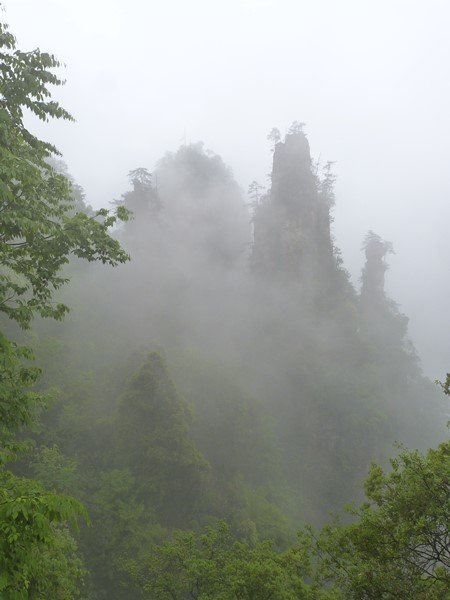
[216,565]
[399,545]
[255,192]
[446,385]
[39,232]
[297,127]
[37,553]
[143,200]
[274,136]
[154,443]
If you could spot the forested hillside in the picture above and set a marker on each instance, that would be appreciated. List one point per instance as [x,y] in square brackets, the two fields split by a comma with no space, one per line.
[229,370]
[218,385]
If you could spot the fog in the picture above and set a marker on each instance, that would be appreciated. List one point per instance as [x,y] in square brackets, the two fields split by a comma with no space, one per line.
[368,79]
[267,354]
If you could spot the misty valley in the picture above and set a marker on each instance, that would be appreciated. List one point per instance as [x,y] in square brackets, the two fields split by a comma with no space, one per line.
[196,402]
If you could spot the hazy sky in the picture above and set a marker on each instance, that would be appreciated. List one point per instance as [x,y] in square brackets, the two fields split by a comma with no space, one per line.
[369,78]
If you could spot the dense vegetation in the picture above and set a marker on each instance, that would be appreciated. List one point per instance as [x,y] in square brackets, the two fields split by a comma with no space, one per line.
[207,400]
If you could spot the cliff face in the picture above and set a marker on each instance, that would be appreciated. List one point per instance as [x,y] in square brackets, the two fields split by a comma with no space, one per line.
[292,239]
[293,183]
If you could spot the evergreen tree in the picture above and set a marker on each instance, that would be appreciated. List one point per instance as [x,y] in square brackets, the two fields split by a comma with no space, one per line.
[154,443]
[143,200]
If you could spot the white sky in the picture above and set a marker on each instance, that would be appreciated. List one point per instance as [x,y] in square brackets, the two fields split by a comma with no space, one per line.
[370,79]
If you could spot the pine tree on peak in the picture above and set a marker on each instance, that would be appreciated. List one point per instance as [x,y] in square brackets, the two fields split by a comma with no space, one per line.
[140,177]
[143,200]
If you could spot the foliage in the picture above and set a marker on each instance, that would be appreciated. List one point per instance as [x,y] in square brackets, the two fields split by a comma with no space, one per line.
[39,232]
[60,572]
[143,200]
[399,545]
[255,192]
[297,127]
[216,566]
[288,401]
[56,471]
[445,385]
[30,536]
[290,407]
[121,527]
[274,136]
[153,426]
[18,406]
